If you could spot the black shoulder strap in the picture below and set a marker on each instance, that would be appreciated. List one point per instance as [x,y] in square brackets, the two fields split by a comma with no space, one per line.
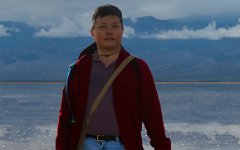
[89,50]
[69,77]
[136,66]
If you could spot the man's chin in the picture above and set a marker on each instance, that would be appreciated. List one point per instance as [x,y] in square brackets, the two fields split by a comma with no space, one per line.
[112,47]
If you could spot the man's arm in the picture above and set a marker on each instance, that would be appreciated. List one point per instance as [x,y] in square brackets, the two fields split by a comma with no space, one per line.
[151,110]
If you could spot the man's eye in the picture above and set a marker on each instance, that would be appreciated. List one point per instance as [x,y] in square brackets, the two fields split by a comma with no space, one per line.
[102,27]
[115,26]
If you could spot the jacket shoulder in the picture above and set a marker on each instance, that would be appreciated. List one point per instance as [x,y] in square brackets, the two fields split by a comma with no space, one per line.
[141,62]
[77,65]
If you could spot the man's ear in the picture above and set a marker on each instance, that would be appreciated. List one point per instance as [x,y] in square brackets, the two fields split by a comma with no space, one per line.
[92,33]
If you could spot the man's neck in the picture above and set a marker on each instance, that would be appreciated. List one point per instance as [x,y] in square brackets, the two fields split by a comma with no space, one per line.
[107,54]
[108,58]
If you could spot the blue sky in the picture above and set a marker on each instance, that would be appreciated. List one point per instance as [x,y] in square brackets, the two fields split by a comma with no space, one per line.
[71,18]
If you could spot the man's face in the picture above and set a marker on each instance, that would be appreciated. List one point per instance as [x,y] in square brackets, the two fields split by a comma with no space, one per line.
[107,33]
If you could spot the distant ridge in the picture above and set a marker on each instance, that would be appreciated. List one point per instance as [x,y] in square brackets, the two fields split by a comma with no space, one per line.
[24,57]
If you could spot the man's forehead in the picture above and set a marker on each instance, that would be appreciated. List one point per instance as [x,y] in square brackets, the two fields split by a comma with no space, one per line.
[108,19]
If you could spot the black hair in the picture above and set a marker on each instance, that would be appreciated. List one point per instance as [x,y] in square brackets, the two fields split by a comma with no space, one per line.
[106,10]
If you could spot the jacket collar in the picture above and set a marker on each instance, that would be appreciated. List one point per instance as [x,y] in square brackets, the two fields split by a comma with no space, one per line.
[92,47]
[88,50]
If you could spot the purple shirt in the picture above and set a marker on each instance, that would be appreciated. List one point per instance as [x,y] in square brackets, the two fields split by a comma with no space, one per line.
[104,119]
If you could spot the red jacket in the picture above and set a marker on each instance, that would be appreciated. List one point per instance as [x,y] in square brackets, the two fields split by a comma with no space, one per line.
[135,101]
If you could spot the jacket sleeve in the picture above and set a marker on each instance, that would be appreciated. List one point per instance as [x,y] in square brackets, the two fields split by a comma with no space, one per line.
[64,128]
[151,110]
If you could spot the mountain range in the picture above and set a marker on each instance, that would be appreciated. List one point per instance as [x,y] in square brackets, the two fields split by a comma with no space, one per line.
[26,57]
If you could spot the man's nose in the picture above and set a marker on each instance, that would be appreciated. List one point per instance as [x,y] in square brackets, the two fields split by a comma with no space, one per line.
[109,30]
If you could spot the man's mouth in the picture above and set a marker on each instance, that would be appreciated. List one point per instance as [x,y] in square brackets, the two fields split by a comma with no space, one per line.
[109,39]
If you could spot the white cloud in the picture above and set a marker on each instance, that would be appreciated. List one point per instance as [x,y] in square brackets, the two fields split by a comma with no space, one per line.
[209,32]
[128,32]
[3,31]
[68,28]
[72,28]
[47,13]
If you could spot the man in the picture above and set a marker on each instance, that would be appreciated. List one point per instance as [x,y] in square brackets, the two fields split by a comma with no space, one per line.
[131,100]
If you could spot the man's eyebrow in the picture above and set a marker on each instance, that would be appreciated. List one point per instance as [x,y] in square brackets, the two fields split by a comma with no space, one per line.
[104,23]
[116,22]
